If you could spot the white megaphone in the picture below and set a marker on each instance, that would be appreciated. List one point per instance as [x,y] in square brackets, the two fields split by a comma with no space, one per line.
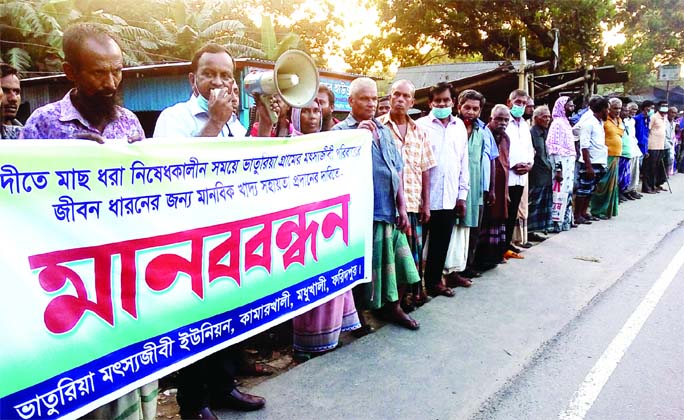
[294,78]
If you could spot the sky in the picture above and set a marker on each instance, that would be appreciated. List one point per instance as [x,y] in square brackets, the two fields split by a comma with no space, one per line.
[359,20]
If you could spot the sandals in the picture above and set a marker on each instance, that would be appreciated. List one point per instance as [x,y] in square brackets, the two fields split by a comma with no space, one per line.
[441,290]
[400,319]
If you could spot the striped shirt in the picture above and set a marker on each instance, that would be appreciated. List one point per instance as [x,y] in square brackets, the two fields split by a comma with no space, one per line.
[417,155]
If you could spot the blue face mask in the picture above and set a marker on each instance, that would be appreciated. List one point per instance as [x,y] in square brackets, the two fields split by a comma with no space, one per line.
[441,113]
[651,112]
[517,111]
[202,102]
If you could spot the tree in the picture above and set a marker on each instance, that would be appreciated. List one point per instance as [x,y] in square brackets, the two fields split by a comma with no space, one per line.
[412,28]
[315,24]
[31,35]
[34,29]
[186,25]
[654,34]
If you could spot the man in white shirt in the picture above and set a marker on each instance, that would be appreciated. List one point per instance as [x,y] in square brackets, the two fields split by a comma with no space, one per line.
[630,110]
[210,110]
[521,158]
[593,158]
[210,113]
[449,181]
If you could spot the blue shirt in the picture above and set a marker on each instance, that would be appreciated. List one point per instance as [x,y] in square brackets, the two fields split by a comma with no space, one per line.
[387,163]
[490,152]
[642,131]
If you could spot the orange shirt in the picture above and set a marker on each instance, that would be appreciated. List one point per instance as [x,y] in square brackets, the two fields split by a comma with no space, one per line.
[614,130]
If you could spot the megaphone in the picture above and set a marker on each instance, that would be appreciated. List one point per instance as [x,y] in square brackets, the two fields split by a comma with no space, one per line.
[294,78]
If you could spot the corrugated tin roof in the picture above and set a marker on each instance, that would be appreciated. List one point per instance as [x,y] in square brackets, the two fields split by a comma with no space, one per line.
[430,75]
[183,68]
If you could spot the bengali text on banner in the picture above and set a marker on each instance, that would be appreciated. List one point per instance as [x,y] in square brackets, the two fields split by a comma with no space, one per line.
[125,262]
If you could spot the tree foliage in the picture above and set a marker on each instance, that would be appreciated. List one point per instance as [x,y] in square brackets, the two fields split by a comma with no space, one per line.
[419,31]
[152,31]
[654,31]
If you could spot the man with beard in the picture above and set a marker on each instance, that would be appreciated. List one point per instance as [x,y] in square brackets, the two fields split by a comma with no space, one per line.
[11,99]
[93,62]
[326,98]
[393,267]
[415,149]
[460,256]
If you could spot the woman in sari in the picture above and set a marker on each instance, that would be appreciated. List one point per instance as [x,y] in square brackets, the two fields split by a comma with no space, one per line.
[318,330]
[604,202]
[560,146]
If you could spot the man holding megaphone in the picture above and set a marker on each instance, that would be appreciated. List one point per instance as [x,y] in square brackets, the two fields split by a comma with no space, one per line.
[208,111]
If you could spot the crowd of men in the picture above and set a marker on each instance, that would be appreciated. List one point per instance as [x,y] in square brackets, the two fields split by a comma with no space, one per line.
[456,192]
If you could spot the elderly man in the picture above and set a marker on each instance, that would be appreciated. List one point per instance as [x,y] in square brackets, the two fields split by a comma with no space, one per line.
[642,122]
[593,157]
[11,99]
[604,202]
[326,98]
[521,159]
[393,267]
[630,149]
[540,194]
[491,245]
[210,113]
[93,62]
[449,181]
[416,152]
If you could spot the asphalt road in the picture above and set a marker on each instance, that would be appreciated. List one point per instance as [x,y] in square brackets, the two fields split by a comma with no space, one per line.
[644,380]
[520,343]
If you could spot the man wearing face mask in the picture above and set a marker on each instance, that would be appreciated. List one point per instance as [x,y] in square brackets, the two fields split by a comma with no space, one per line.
[449,181]
[208,383]
[209,111]
[521,158]
[641,125]
[653,168]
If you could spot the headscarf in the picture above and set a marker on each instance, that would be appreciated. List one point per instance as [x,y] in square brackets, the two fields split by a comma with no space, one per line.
[297,115]
[560,140]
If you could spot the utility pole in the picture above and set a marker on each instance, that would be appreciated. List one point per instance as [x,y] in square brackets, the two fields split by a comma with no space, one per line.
[522,79]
